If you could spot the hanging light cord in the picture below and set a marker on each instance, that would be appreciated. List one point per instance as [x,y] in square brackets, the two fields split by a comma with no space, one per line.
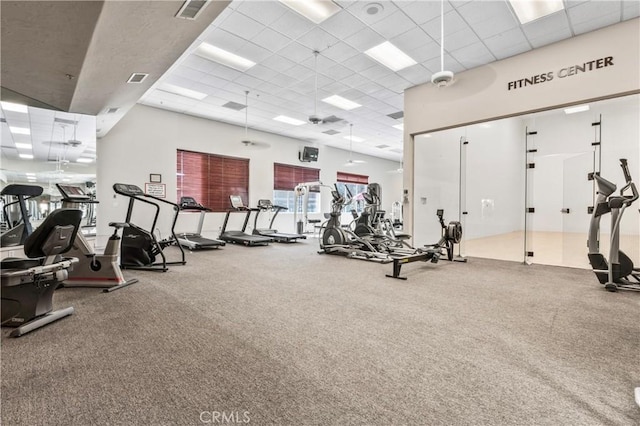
[315,100]
[246,115]
[442,35]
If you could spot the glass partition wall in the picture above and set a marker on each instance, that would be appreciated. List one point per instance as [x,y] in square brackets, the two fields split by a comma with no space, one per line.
[521,186]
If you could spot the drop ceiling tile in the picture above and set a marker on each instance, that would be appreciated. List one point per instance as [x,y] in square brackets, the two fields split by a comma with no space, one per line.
[452,23]
[224,72]
[353,94]
[503,20]
[376,72]
[364,40]
[225,40]
[594,24]
[473,55]
[336,72]
[296,52]
[200,64]
[394,82]
[241,25]
[277,63]
[283,80]
[342,25]
[262,72]
[213,81]
[248,81]
[352,81]
[423,11]
[415,74]
[412,39]
[393,25]
[359,63]
[460,39]
[553,27]
[271,40]
[337,88]
[253,52]
[589,11]
[317,39]
[508,43]
[450,64]
[340,52]
[189,73]
[265,12]
[292,25]
[426,52]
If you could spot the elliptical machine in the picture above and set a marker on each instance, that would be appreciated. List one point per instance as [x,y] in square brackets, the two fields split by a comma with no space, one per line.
[139,247]
[619,271]
[93,270]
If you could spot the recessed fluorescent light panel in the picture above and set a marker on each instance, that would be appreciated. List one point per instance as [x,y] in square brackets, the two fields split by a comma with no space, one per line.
[20,130]
[9,106]
[84,160]
[530,10]
[26,156]
[340,102]
[354,138]
[177,90]
[23,145]
[314,10]
[579,108]
[390,56]
[399,126]
[289,120]
[221,56]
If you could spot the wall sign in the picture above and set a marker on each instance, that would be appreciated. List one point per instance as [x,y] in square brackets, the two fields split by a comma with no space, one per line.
[156,189]
[561,73]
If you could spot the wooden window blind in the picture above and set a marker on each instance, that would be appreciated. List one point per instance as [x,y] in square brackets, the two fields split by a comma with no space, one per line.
[352,178]
[210,178]
[286,177]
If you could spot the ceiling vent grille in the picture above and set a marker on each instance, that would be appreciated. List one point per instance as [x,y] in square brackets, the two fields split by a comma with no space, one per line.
[137,77]
[191,9]
[112,110]
[396,115]
[331,132]
[234,105]
[3,120]
[382,146]
[65,121]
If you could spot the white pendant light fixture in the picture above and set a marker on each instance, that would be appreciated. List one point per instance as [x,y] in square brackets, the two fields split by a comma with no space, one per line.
[442,77]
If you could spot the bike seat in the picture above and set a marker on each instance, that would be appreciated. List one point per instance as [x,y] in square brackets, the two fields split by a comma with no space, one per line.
[119,225]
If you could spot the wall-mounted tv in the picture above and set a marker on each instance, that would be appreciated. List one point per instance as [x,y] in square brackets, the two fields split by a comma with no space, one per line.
[308,154]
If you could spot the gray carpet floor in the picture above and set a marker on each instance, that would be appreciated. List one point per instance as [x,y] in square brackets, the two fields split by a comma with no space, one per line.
[282,335]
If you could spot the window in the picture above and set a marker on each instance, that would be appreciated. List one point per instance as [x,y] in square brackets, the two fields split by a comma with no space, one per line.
[286,178]
[210,179]
[357,184]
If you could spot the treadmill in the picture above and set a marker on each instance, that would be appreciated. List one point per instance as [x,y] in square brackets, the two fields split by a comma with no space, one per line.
[280,237]
[241,237]
[195,240]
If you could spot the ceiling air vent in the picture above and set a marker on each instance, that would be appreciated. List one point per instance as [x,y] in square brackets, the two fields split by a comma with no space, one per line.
[3,120]
[65,121]
[396,115]
[191,9]
[137,77]
[331,132]
[234,105]
[382,146]
[112,110]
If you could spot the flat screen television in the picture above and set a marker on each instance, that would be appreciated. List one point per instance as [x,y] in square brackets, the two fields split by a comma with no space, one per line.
[308,154]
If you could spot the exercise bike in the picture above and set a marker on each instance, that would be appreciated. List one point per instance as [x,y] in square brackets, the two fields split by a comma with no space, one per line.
[93,270]
[619,272]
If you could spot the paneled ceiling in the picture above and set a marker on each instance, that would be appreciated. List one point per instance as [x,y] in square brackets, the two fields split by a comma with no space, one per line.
[283,82]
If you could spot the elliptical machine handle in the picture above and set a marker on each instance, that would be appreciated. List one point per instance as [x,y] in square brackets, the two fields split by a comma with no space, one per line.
[625,170]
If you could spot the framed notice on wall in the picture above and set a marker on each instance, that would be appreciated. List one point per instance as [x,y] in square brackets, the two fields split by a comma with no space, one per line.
[156,189]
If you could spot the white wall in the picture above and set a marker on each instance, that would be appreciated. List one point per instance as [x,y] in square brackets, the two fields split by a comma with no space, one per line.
[146,139]
[482,94]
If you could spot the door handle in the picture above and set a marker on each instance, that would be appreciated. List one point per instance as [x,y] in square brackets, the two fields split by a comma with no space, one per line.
[565,211]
